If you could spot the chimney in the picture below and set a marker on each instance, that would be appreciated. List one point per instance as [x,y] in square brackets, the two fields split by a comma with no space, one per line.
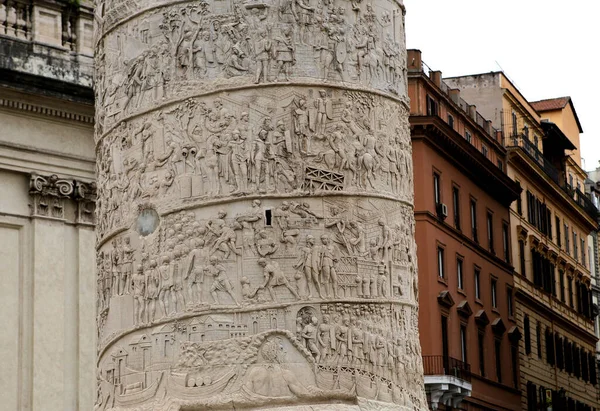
[454,94]
[473,111]
[414,60]
[436,77]
[488,127]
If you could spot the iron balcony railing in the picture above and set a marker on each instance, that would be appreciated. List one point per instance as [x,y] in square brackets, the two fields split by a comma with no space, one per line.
[555,175]
[441,365]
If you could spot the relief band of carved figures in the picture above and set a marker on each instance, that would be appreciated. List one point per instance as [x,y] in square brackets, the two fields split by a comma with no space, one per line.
[255,207]
[168,53]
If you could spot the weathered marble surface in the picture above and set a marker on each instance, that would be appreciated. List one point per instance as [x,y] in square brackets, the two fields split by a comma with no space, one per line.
[255,221]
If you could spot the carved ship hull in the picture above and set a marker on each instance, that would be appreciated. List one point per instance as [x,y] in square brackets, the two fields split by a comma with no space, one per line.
[139,397]
[333,378]
[177,386]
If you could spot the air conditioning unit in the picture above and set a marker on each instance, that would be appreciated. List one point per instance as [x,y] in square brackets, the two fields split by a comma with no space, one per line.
[442,210]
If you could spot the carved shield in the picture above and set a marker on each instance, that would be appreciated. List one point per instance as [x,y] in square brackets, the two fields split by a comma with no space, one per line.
[329,109]
[288,142]
[340,52]
[312,118]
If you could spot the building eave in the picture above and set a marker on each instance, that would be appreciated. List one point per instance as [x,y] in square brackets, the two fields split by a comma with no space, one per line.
[465,157]
[527,168]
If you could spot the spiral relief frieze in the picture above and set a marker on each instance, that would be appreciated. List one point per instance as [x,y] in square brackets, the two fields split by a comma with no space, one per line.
[255,207]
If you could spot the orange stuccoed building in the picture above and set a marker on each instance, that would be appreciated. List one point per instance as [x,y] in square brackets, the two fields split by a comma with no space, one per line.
[469,333]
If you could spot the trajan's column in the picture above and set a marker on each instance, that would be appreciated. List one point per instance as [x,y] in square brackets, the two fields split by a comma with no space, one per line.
[255,207]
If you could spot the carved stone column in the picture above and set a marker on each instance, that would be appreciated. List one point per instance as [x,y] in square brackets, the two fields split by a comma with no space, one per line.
[255,207]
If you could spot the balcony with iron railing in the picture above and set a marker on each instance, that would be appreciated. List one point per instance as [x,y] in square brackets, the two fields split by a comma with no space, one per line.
[440,365]
[522,142]
[447,380]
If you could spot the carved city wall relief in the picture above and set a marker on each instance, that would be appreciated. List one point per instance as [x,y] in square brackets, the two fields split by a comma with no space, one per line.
[282,141]
[176,51]
[220,360]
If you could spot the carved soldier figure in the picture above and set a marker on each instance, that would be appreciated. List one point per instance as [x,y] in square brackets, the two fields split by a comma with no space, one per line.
[262,54]
[386,240]
[392,156]
[177,296]
[248,221]
[324,111]
[203,53]
[127,265]
[285,53]
[226,242]
[309,265]
[194,271]
[234,64]
[309,334]
[343,340]
[304,15]
[152,289]
[239,161]
[301,126]
[259,159]
[138,284]
[287,234]
[115,258]
[166,284]
[328,254]
[389,56]
[356,351]
[326,339]
[221,281]
[184,53]
[223,46]
[215,227]
[274,277]
[382,282]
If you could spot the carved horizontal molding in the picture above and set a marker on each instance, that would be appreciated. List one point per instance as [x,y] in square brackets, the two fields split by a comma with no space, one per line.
[45,111]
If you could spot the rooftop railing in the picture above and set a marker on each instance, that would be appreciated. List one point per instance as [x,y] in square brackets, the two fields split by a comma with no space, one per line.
[521,141]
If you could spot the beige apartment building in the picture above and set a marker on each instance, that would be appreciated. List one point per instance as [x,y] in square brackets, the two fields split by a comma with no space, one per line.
[47,261]
[550,225]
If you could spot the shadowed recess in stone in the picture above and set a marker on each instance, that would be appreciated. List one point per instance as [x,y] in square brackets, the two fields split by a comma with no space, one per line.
[147,221]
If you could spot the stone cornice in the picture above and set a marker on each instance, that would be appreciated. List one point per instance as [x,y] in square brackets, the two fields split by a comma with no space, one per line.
[45,111]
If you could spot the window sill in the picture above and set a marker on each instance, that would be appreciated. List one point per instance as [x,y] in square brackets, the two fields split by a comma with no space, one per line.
[495,310]
[461,292]
[442,281]
[478,301]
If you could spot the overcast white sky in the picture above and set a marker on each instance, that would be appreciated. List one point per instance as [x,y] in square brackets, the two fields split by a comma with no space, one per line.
[548,48]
